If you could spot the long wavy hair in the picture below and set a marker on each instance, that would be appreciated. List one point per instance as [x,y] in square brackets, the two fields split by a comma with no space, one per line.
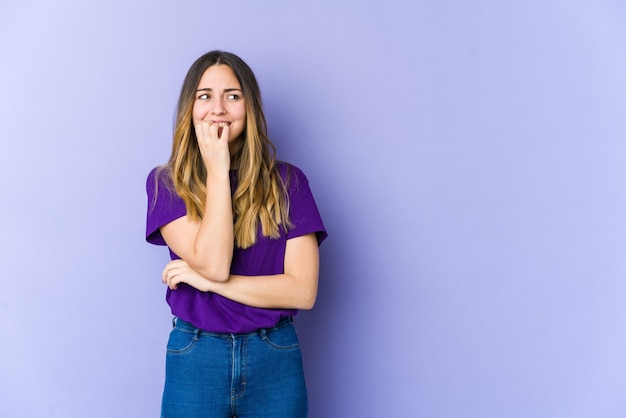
[261,194]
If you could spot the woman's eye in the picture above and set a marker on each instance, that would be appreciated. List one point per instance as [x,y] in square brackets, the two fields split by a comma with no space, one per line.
[203,96]
[233,97]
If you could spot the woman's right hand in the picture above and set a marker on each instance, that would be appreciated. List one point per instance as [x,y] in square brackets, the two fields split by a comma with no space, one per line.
[213,144]
[207,244]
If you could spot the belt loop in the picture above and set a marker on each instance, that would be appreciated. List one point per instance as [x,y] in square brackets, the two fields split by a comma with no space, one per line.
[196,333]
[263,333]
[174,322]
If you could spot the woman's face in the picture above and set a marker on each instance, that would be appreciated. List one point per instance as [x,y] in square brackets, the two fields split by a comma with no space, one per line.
[219,99]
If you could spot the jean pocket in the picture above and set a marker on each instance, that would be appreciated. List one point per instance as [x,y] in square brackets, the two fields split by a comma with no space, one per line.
[284,338]
[181,342]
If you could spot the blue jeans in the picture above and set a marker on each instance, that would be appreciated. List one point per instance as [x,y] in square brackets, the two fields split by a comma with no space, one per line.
[234,375]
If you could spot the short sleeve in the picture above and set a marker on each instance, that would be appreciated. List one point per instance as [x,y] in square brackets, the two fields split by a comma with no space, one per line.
[303,211]
[164,205]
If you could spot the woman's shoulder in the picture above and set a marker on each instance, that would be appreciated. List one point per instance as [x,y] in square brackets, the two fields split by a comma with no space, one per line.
[159,183]
[288,171]
[159,174]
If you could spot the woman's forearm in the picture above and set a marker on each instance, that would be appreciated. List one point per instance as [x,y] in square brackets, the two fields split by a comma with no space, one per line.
[214,241]
[272,292]
[206,245]
[296,288]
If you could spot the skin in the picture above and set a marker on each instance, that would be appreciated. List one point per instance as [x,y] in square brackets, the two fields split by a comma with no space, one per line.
[219,106]
[206,246]
[219,116]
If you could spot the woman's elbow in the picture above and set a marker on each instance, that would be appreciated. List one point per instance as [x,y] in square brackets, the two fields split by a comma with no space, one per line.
[307,304]
[307,299]
[221,277]
[214,274]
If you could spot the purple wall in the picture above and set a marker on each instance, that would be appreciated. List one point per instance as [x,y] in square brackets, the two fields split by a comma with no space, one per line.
[468,158]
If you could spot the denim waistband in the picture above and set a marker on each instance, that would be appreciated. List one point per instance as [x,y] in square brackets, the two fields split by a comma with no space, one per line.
[189,327]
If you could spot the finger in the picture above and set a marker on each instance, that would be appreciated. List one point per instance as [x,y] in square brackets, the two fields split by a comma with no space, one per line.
[166,271]
[169,271]
[176,263]
[214,130]
[164,274]
[202,129]
[206,130]
[225,130]
[172,281]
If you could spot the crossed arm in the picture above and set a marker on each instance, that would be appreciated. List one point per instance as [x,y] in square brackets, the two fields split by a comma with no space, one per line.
[296,288]
[206,249]
[206,246]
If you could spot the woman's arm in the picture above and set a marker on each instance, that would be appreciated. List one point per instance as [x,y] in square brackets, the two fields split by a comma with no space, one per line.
[207,245]
[296,288]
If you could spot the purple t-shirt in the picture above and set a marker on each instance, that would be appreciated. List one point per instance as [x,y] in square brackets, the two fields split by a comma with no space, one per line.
[213,312]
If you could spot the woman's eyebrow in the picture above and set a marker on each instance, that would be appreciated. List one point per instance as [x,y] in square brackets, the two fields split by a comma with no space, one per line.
[225,90]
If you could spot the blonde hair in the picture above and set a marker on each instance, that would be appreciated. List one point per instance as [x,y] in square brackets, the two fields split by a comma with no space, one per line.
[261,194]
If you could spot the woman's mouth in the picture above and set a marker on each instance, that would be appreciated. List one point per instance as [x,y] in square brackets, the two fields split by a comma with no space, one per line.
[221,126]
[221,123]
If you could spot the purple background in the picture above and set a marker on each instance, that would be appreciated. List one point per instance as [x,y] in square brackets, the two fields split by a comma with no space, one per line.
[468,158]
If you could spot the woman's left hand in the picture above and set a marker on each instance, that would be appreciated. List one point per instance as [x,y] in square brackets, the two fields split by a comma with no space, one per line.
[178,271]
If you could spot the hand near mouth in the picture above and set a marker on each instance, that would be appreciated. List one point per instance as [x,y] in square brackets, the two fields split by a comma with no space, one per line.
[220,129]
[213,143]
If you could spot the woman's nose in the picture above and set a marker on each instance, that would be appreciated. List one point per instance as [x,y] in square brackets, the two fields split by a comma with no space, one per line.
[218,107]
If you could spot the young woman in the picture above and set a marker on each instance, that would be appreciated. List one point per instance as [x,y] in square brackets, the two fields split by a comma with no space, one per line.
[243,232]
